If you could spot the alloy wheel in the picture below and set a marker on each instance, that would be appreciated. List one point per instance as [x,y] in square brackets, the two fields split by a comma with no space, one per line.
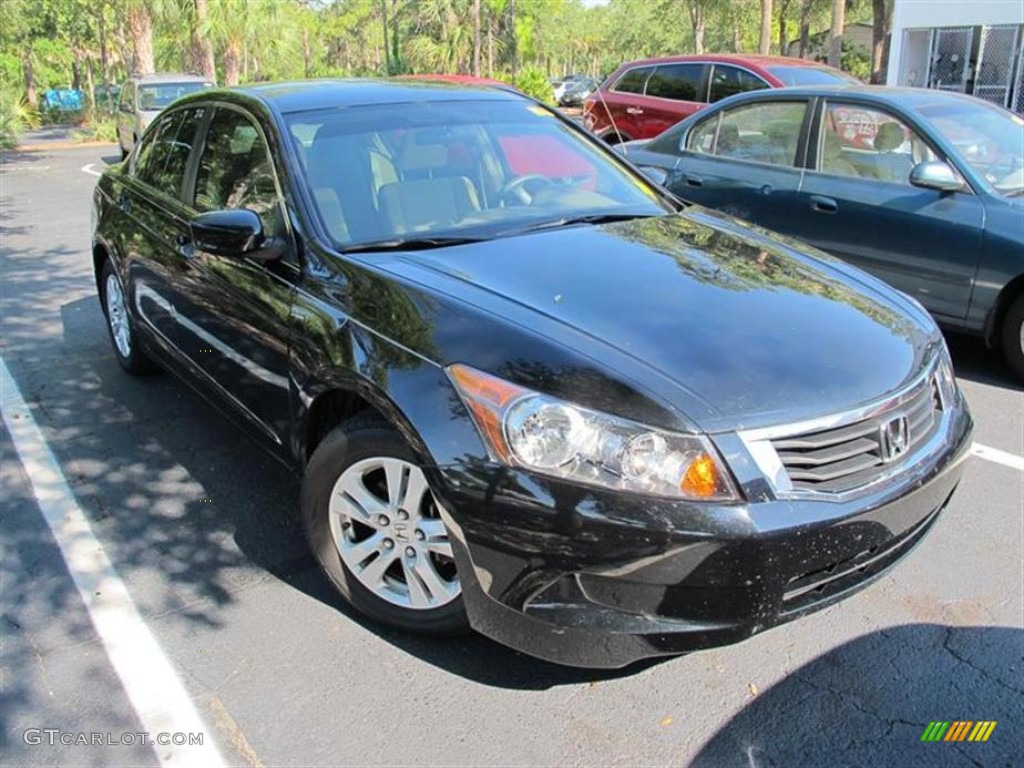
[117,316]
[387,528]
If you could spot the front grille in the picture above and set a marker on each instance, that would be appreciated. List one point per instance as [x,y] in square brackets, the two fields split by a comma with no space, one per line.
[842,458]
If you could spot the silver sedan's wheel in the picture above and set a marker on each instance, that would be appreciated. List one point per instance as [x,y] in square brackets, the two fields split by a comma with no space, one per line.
[117,316]
[385,524]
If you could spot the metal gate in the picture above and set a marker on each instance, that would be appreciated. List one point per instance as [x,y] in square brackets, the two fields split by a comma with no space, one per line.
[950,67]
[997,54]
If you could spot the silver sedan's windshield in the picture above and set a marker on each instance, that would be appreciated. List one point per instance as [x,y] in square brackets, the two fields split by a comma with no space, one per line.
[988,139]
[456,169]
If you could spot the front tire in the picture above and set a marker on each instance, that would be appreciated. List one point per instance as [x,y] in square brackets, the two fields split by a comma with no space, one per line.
[123,338]
[1013,337]
[375,528]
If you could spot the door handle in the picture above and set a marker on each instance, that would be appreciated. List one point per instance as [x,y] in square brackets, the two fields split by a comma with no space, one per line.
[693,181]
[824,204]
[634,111]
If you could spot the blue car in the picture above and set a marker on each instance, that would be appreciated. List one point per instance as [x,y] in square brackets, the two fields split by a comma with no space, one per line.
[922,188]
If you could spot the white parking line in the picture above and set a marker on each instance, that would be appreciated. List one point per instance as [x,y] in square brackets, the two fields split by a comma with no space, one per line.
[150,682]
[999,457]
[90,170]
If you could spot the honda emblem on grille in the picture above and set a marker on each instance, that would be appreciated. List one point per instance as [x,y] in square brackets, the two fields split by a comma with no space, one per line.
[894,438]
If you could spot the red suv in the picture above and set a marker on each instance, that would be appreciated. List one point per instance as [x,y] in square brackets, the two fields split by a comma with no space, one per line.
[646,97]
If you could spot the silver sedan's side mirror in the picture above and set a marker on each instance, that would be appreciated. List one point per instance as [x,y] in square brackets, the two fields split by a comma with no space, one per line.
[934,174]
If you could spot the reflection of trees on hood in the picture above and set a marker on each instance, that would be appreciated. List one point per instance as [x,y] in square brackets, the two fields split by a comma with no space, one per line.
[744,261]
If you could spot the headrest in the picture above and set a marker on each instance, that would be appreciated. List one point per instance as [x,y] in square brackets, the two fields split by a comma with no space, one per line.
[889,137]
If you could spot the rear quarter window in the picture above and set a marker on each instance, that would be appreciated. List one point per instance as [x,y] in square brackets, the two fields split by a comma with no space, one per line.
[633,80]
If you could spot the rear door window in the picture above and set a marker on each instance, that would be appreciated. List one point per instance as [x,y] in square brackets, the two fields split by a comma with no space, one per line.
[633,80]
[727,81]
[680,82]
[163,158]
[759,133]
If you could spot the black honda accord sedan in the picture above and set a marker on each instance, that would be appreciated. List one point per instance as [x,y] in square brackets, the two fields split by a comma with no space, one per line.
[527,391]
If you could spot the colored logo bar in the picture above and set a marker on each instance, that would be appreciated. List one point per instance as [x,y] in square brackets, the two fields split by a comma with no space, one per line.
[958,730]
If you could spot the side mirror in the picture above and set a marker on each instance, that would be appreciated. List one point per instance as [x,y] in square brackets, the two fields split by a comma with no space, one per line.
[233,232]
[126,107]
[937,175]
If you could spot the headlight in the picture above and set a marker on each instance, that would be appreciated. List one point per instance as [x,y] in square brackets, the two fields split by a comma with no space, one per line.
[553,437]
[945,377]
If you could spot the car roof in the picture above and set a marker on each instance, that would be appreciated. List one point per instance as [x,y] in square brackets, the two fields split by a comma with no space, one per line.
[169,77]
[307,95]
[883,94]
[734,58]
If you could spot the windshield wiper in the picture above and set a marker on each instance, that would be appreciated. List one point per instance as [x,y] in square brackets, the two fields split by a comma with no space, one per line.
[409,244]
[1015,192]
[592,218]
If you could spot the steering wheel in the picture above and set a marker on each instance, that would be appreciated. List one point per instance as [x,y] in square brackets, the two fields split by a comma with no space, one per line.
[515,191]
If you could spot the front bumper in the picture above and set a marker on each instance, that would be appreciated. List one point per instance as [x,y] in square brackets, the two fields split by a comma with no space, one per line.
[594,578]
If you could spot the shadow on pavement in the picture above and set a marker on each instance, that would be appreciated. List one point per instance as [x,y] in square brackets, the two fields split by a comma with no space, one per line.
[973,361]
[869,701]
[190,510]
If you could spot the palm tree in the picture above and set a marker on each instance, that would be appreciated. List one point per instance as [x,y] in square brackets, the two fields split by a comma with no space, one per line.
[201,49]
[237,25]
[140,27]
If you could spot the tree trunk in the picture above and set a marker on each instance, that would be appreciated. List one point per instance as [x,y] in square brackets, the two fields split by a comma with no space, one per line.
[387,47]
[476,38]
[30,76]
[232,63]
[699,25]
[881,28]
[805,27]
[835,35]
[307,55]
[140,26]
[783,28]
[765,42]
[104,58]
[202,50]
[490,46]
[90,86]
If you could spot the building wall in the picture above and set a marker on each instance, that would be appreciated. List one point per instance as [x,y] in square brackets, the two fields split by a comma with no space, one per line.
[927,14]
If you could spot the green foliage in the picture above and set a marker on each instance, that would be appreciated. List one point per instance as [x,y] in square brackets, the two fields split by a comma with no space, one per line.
[16,117]
[533,82]
[97,126]
[856,59]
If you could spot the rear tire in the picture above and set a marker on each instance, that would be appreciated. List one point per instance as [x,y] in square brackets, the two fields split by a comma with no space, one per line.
[1013,337]
[374,527]
[120,326]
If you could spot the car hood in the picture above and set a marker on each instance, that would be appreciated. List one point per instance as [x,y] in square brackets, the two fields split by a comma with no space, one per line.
[728,325]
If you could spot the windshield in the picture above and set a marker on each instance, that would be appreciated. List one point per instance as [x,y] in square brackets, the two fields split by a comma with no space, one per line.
[161,95]
[987,138]
[461,169]
[811,76]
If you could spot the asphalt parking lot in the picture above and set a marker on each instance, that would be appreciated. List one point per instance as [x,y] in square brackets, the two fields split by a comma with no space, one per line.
[200,525]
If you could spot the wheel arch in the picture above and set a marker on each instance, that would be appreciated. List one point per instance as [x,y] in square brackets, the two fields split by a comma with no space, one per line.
[1003,302]
[411,407]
